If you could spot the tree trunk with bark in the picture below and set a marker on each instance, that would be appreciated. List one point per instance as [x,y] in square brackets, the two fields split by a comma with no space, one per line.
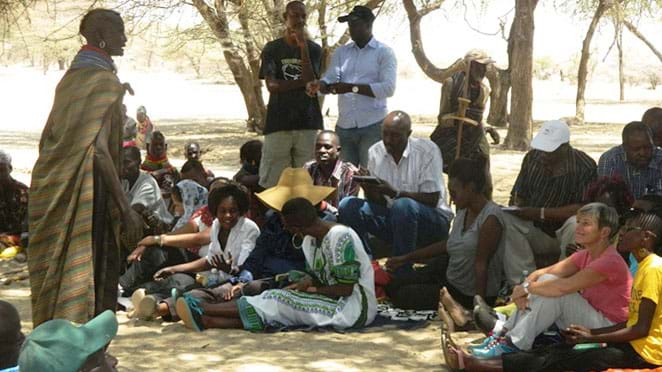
[253,56]
[580,102]
[520,62]
[641,37]
[621,67]
[243,75]
[415,15]
[500,85]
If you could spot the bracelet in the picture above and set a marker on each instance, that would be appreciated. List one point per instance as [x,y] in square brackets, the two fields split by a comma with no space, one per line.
[542,213]
[159,240]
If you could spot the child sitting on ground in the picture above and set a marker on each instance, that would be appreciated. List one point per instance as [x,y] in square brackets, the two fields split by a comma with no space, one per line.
[250,155]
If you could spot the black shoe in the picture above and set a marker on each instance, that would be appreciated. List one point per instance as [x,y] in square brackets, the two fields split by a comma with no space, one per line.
[479,301]
[484,319]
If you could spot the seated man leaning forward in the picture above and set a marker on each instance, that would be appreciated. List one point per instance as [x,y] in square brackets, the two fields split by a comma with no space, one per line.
[406,203]
[144,194]
[637,160]
[328,170]
[338,292]
[548,191]
[590,288]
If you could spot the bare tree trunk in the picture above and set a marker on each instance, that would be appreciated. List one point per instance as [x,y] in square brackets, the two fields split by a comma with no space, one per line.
[218,22]
[254,63]
[621,68]
[580,102]
[433,72]
[500,85]
[641,37]
[520,62]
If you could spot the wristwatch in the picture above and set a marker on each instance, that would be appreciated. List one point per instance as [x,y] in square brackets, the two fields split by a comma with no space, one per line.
[355,89]
[525,286]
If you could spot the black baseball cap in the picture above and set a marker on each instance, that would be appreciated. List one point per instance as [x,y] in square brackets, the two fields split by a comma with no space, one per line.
[359,12]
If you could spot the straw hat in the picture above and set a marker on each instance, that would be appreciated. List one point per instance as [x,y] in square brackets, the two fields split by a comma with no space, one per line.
[294,183]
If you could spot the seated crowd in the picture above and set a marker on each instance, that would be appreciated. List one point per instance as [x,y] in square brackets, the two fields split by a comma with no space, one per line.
[566,277]
[229,253]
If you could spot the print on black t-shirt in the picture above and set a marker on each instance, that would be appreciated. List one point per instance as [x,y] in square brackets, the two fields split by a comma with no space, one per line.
[290,110]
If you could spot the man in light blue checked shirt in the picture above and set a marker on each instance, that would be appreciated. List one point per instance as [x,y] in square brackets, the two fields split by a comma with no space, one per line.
[363,74]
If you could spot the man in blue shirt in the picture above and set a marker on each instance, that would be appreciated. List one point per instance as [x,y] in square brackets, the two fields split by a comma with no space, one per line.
[638,161]
[362,74]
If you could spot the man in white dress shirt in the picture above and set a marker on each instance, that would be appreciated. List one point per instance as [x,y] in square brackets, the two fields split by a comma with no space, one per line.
[362,74]
[408,206]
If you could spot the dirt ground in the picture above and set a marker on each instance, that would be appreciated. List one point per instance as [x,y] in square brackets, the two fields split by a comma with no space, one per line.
[147,345]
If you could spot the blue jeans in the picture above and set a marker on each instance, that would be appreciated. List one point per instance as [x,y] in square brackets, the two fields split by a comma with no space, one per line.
[355,142]
[408,224]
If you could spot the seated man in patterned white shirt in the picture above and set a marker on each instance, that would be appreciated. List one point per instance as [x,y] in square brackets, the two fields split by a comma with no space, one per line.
[406,205]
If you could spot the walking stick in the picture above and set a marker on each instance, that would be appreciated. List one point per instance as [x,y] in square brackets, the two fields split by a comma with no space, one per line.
[460,115]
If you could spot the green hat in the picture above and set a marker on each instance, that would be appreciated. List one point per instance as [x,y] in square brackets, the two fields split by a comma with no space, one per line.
[62,346]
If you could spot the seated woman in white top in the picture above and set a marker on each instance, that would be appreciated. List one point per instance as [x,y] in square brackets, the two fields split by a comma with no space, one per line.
[469,262]
[179,246]
[232,237]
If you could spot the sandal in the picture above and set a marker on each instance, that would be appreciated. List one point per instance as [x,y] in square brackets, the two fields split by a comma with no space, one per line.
[453,355]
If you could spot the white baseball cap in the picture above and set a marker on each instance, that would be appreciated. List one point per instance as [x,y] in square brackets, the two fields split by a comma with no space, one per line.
[551,135]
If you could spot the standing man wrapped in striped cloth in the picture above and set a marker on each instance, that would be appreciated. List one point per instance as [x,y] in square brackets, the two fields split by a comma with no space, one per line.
[78,204]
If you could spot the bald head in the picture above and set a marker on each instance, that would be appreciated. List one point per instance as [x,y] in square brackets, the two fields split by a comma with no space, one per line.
[396,130]
[399,120]
[653,119]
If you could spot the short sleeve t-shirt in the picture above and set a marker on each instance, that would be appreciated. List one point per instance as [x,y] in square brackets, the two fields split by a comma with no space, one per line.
[648,284]
[612,296]
[291,110]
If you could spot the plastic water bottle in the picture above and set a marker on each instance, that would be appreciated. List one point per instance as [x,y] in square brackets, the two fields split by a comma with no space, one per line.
[525,274]
[213,279]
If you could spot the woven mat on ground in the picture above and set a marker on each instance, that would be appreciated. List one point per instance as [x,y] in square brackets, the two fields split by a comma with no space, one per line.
[388,318]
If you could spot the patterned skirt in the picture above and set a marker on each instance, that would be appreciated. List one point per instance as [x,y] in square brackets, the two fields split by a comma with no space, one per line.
[287,308]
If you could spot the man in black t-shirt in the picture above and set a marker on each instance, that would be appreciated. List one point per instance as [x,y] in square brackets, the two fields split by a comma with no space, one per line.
[293,117]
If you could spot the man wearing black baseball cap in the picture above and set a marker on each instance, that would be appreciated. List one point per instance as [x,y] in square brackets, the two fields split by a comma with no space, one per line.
[358,13]
[363,74]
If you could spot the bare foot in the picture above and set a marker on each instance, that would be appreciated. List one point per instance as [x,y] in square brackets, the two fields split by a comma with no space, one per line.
[460,315]
[452,354]
[448,322]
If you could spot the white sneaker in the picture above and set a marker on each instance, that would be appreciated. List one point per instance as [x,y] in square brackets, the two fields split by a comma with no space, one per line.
[144,305]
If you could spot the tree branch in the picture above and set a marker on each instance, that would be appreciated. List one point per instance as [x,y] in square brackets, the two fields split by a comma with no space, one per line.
[415,16]
[641,37]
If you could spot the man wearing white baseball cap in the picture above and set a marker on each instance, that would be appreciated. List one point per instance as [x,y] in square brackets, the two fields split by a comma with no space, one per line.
[547,193]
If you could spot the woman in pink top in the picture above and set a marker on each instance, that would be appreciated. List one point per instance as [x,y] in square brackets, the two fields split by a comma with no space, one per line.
[590,288]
